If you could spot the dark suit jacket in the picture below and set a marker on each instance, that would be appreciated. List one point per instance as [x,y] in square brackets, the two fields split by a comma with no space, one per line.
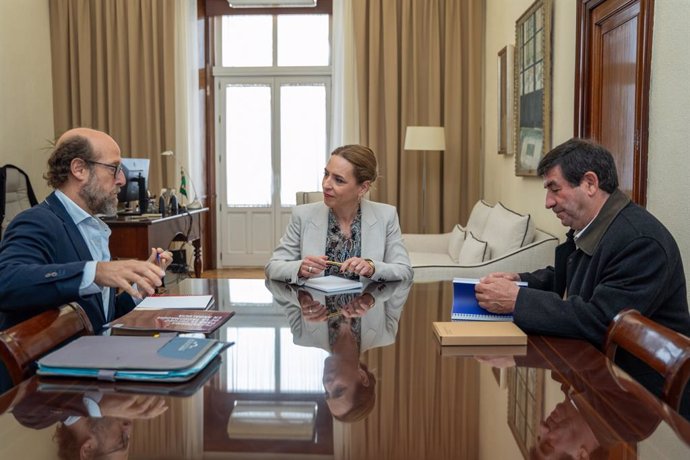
[627,259]
[42,258]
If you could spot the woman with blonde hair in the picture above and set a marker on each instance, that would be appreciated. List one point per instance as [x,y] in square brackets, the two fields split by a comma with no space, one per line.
[346,234]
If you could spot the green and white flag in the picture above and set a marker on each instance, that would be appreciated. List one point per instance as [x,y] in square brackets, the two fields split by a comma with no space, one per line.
[183,184]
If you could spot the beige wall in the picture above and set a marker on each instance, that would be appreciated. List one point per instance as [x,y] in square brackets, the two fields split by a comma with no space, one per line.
[26,93]
[668,185]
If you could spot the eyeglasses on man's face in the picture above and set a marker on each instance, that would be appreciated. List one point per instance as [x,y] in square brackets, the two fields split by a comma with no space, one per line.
[117,169]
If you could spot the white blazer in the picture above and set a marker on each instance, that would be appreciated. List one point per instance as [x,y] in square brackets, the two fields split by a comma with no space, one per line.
[306,234]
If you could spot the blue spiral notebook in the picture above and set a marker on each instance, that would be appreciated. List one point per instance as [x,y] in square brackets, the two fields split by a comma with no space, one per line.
[466,307]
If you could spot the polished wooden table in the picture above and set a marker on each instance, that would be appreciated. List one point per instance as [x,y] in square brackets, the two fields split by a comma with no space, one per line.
[133,236]
[557,396]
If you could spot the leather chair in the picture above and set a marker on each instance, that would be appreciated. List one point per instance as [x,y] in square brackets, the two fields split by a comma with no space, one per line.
[664,350]
[22,344]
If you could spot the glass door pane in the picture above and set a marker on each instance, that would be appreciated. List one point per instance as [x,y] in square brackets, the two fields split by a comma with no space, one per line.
[302,139]
[248,145]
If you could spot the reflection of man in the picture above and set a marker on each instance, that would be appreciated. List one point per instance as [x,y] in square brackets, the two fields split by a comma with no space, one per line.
[617,255]
[88,424]
[57,252]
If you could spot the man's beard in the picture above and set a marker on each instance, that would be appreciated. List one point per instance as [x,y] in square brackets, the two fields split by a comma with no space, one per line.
[99,201]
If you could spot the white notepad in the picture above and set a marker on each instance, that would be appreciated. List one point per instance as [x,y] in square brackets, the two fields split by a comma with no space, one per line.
[188,302]
[332,283]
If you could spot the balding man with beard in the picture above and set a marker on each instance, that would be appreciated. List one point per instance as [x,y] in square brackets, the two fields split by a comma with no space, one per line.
[57,252]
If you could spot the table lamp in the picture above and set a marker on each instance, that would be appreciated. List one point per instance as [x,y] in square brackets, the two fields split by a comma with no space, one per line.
[425,138]
[195,203]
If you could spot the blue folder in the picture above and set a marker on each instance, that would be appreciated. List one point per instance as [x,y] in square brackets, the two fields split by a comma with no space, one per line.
[466,307]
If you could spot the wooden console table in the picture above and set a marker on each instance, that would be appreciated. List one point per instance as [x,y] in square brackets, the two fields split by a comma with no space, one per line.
[133,236]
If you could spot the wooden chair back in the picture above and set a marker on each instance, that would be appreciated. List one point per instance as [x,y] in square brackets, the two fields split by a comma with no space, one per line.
[22,344]
[664,350]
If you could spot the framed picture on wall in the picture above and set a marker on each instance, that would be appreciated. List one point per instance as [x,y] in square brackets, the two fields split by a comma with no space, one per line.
[532,87]
[505,100]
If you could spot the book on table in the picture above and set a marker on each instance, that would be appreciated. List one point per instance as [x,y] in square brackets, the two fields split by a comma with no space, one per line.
[167,358]
[466,307]
[184,302]
[146,322]
[332,283]
[479,333]
[482,350]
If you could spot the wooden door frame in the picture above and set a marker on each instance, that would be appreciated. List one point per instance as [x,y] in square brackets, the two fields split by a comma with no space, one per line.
[583,85]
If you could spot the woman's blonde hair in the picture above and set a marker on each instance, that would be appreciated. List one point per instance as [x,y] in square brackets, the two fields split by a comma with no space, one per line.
[363,160]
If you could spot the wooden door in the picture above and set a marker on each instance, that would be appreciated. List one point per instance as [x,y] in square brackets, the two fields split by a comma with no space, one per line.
[612,84]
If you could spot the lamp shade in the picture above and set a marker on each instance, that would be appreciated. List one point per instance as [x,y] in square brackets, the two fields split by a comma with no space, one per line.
[425,138]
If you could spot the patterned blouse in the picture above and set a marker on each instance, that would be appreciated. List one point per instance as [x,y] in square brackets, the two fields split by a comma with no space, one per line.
[339,248]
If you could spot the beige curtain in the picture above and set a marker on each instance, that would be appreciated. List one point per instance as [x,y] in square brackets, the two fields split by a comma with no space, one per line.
[420,63]
[113,70]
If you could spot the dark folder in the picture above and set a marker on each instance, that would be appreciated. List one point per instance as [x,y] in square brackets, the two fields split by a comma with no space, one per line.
[165,358]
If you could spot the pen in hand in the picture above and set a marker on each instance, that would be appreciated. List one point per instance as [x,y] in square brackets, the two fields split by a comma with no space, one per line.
[332,262]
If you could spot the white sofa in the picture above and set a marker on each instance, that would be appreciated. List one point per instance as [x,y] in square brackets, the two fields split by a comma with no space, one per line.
[495,239]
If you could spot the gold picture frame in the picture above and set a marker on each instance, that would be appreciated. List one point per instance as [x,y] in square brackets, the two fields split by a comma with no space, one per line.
[505,78]
[532,87]
[525,405]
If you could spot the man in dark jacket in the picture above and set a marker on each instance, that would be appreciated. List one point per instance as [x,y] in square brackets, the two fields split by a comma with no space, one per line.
[616,256]
[57,252]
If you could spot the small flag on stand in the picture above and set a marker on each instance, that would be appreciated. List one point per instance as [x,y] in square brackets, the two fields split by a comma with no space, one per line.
[183,185]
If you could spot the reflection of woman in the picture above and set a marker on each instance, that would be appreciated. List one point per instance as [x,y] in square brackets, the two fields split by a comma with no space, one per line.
[362,236]
[345,325]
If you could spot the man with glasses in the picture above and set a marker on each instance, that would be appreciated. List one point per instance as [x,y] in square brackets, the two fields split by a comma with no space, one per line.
[57,252]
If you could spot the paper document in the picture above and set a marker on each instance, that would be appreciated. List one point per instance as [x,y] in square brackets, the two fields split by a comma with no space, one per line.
[333,284]
[187,302]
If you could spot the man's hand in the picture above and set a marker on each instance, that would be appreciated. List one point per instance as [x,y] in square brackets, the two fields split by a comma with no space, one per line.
[497,294]
[160,257]
[124,273]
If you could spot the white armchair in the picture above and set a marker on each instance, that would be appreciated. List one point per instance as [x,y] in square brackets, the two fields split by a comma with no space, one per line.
[495,239]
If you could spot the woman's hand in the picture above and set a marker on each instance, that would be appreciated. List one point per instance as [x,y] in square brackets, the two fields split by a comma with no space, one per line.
[312,266]
[359,306]
[359,266]
[311,309]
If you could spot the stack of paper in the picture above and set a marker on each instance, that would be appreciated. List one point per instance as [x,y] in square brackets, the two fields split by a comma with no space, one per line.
[186,302]
[333,284]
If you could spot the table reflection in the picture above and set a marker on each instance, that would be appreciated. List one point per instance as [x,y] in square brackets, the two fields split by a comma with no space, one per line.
[344,325]
[553,398]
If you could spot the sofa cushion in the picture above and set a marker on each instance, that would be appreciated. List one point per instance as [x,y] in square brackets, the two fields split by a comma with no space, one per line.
[507,230]
[457,238]
[478,217]
[474,250]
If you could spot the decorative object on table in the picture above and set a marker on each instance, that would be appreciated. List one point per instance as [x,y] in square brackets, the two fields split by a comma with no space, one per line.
[505,99]
[195,203]
[466,307]
[427,139]
[532,87]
